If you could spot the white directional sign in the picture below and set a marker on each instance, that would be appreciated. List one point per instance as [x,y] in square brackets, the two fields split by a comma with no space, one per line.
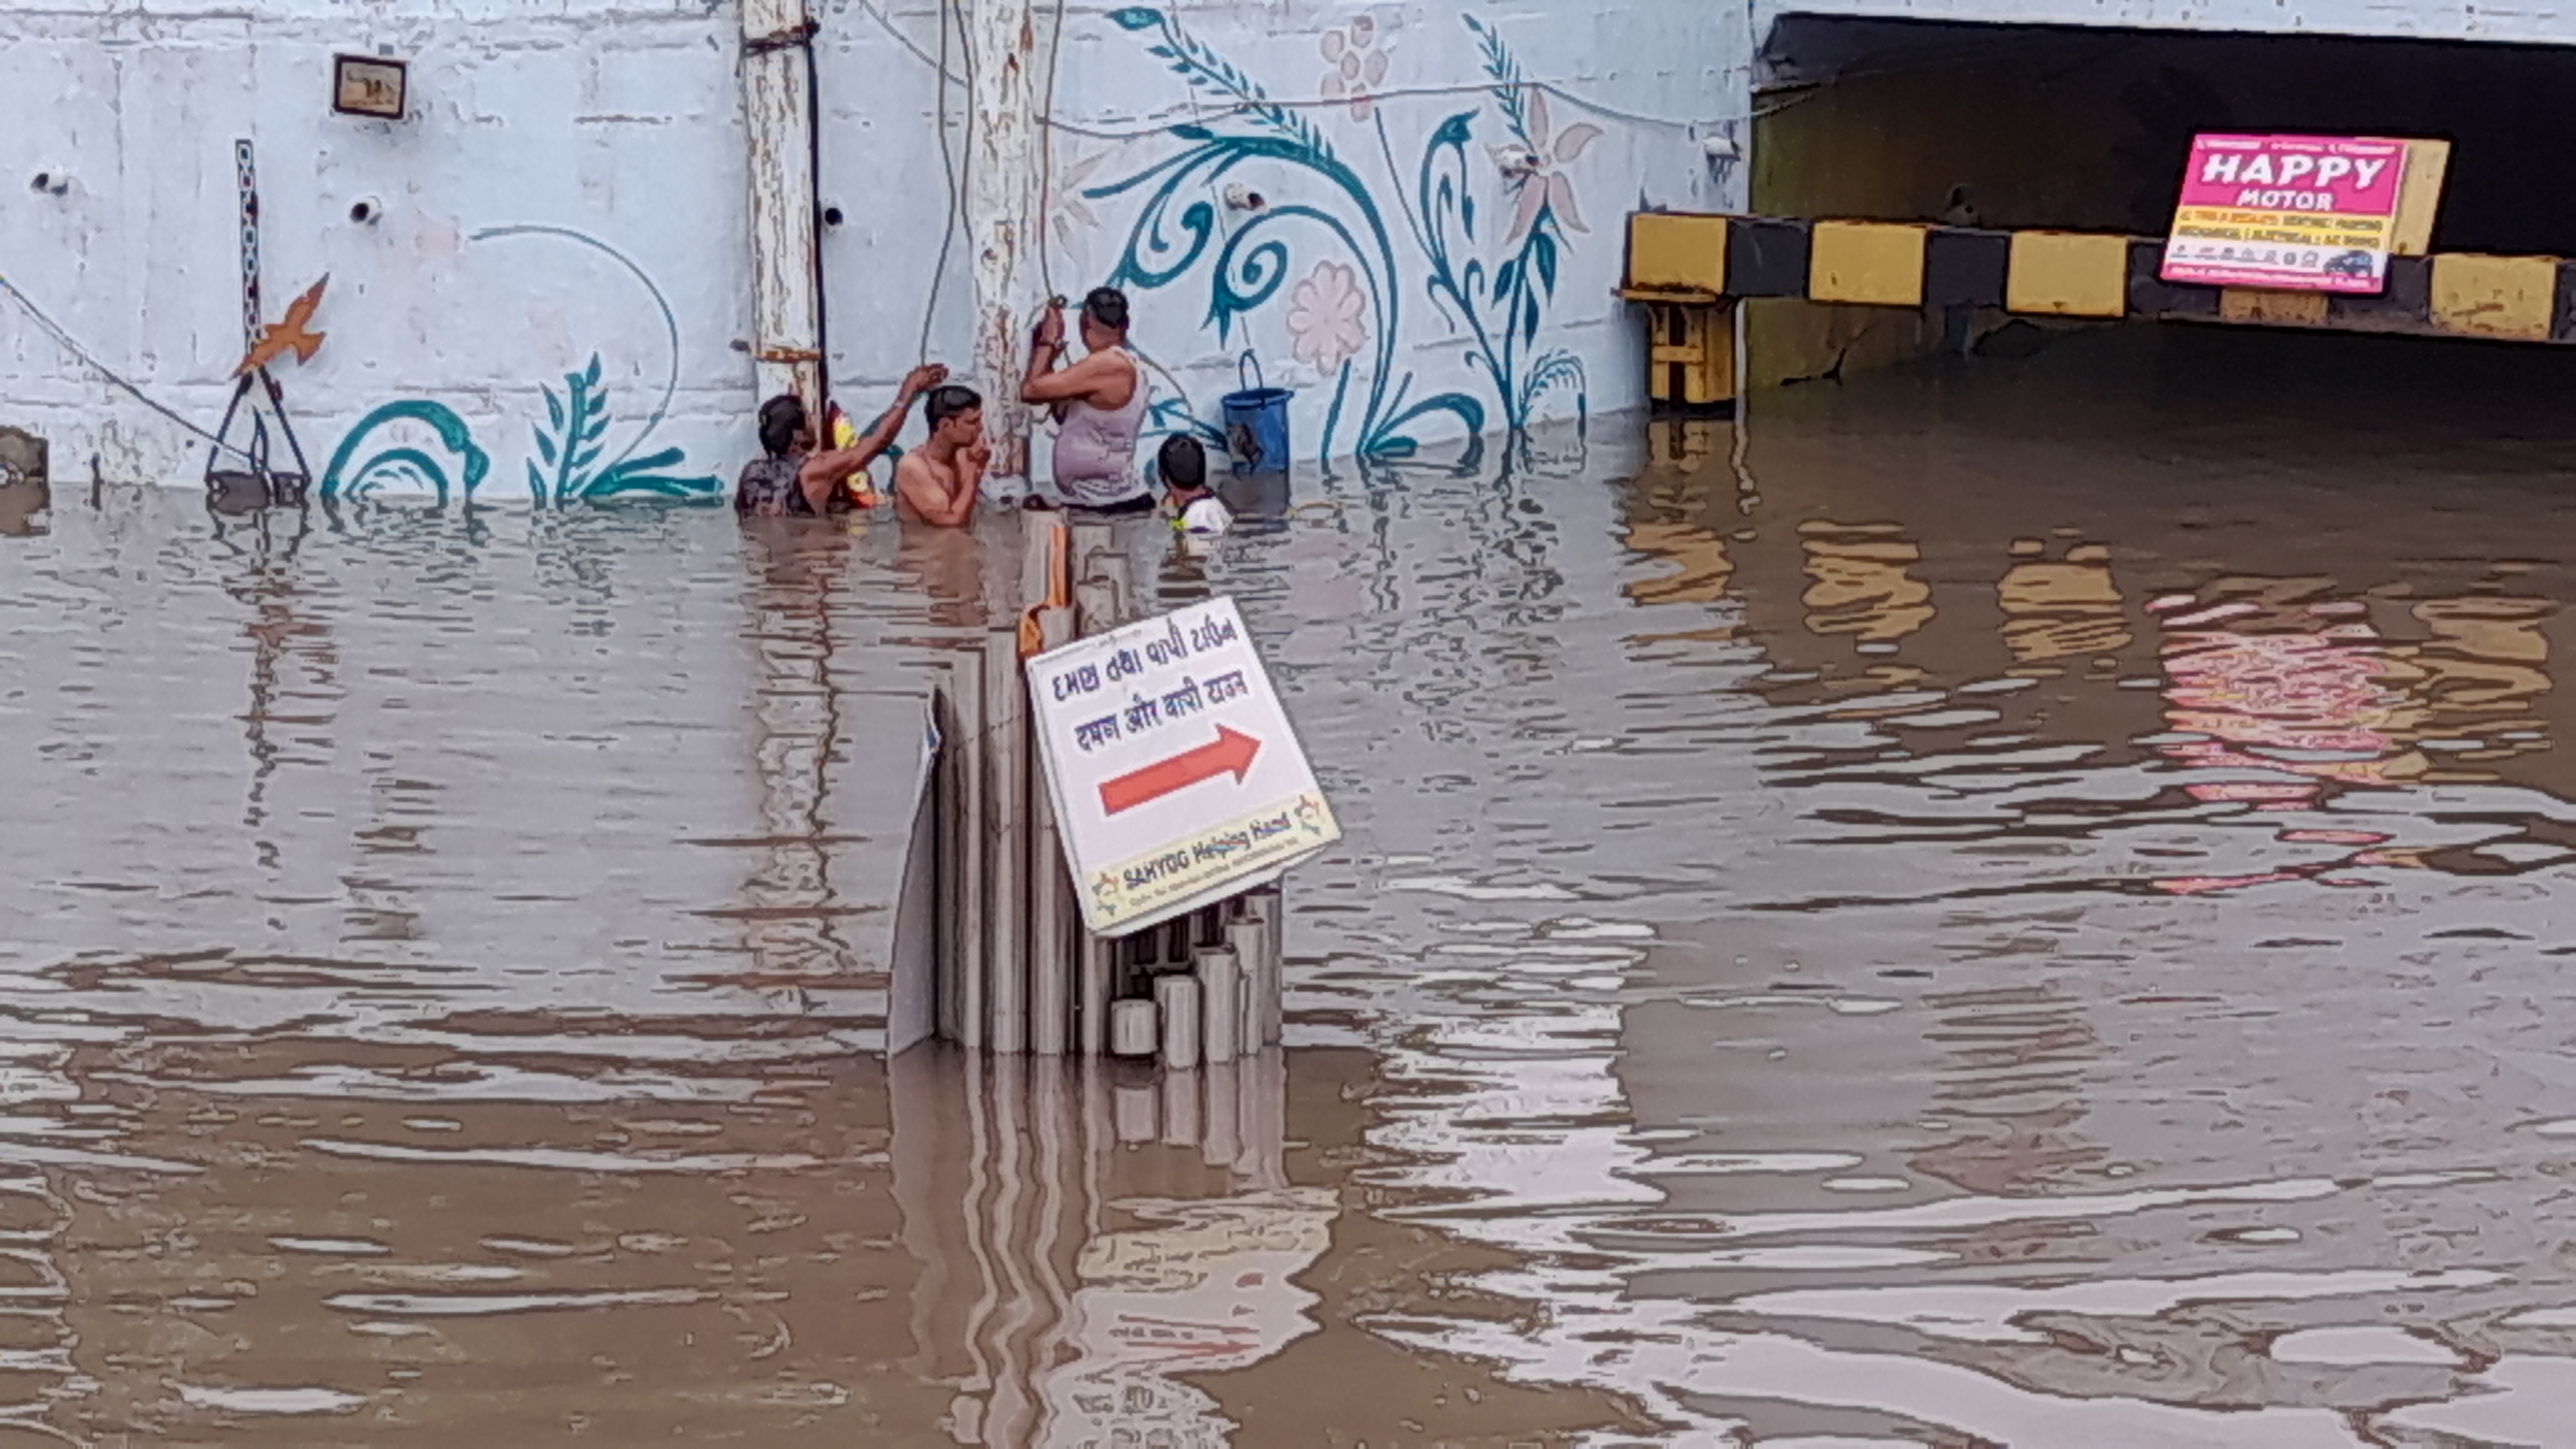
[1176,778]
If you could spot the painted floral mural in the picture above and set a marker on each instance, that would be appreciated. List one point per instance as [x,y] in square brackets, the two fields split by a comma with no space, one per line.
[1358,66]
[1327,317]
[1364,234]
[1541,181]
[424,446]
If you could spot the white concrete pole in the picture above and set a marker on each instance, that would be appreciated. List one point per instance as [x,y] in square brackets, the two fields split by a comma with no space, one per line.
[1054,915]
[1250,937]
[1220,1140]
[1006,842]
[778,115]
[1001,218]
[1176,1002]
[1220,1002]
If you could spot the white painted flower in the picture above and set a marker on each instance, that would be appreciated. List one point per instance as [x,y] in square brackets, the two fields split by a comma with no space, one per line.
[1358,67]
[1327,317]
[1069,210]
[1537,170]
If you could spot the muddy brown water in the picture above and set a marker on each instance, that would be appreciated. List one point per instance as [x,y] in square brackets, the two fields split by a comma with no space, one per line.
[2030,911]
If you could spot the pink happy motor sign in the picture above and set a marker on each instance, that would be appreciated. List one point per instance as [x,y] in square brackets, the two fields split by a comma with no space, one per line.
[2305,213]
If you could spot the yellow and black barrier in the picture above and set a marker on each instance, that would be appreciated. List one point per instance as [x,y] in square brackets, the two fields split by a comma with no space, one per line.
[1690,269]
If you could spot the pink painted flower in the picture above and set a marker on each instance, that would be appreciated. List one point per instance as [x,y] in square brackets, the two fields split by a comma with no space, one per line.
[1537,170]
[1327,317]
[1358,66]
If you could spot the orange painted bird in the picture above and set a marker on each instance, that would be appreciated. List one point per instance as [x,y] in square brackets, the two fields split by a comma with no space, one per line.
[292,335]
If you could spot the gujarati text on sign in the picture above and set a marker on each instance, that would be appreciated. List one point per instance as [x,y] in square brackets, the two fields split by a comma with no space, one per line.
[1176,778]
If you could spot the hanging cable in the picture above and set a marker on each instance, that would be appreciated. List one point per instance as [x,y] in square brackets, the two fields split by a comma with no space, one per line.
[948,165]
[1046,156]
[814,180]
[71,345]
[886,22]
[1137,128]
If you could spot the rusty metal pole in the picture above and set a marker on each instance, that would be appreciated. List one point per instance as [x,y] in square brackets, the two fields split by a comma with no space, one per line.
[1001,218]
[778,115]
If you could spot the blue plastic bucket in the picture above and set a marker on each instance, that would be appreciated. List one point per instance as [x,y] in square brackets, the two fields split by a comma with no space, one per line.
[1256,421]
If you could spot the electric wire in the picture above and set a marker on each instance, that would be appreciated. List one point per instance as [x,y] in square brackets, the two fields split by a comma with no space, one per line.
[1046,155]
[70,344]
[948,167]
[1142,127]
[886,22]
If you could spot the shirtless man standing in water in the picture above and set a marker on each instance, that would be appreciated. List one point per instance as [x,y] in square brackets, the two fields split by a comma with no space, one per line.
[937,483]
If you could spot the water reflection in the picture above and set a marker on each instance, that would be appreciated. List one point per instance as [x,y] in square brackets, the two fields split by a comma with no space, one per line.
[2066,608]
[2032,923]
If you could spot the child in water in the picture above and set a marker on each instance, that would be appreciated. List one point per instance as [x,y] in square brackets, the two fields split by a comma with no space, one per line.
[1189,505]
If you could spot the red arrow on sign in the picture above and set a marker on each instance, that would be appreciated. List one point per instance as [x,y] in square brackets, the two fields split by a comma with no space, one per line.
[1229,754]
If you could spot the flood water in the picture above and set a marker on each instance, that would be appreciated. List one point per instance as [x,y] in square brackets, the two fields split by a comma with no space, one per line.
[2025,909]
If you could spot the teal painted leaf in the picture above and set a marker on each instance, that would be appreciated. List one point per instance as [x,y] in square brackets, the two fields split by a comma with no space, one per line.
[1193,133]
[591,378]
[1543,251]
[546,447]
[554,410]
[620,484]
[1136,17]
[536,483]
[650,461]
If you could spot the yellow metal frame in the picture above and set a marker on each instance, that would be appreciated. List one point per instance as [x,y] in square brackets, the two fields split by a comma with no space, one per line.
[1872,263]
[2510,297]
[1677,256]
[1691,357]
[2067,274]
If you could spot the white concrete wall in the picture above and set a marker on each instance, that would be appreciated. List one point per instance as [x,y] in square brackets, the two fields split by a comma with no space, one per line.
[570,185]
[610,126]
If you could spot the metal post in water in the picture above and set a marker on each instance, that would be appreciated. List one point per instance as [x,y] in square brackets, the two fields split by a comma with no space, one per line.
[1096,959]
[1181,1126]
[1052,914]
[1135,1028]
[1095,607]
[1220,1002]
[1263,1116]
[1251,941]
[1117,573]
[1220,1141]
[965,817]
[1272,908]
[1133,1107]
[1005,844]
[1176,1001]
[947,879]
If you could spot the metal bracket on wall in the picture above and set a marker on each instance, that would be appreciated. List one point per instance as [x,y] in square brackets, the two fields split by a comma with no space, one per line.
[789,39]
